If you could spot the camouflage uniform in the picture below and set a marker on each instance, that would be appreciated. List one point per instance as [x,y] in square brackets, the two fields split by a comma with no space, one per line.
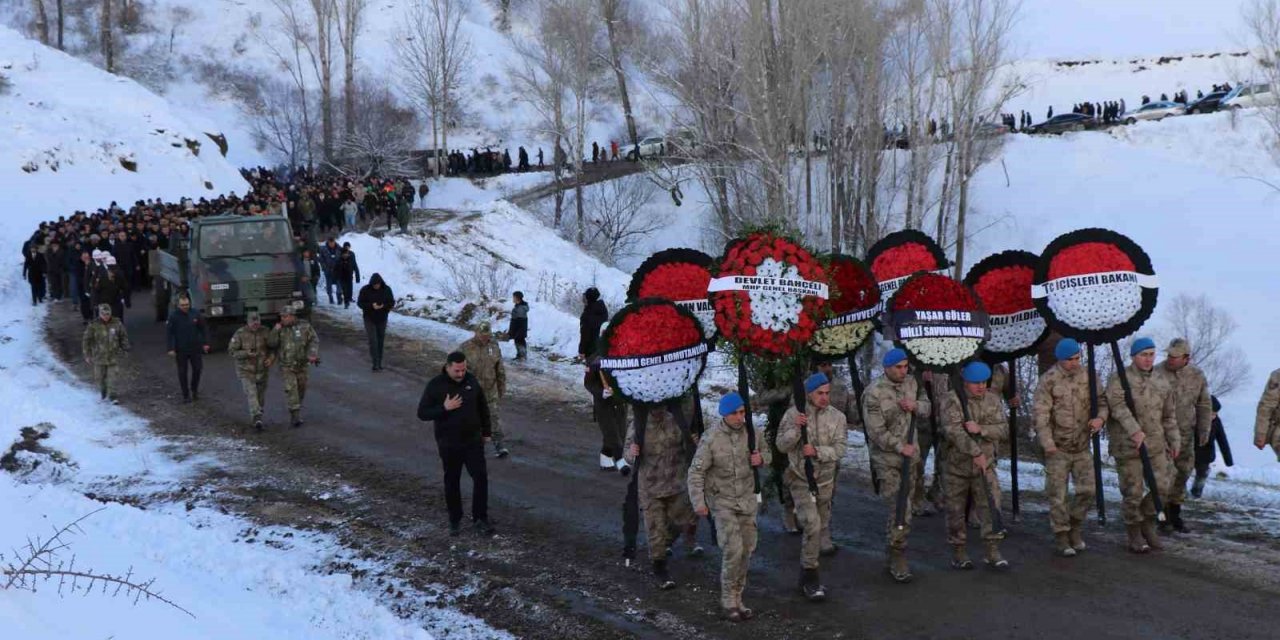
[251,351]
[103,343]
[1264,426]
[720,478]
[962,479]
[828,433]
[1061,411]
[484,361]
[940,385]
[296,346]
[1153,400]
[887,426]
[663,494]
[1194,412]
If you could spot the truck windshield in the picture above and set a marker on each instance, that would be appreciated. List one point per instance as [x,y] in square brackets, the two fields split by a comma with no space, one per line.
[246,237]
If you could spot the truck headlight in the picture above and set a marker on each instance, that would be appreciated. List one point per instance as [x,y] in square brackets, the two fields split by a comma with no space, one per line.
[215,311]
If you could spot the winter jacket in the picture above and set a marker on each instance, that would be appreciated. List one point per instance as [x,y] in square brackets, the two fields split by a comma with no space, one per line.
[346,268]
[593,317]
[886,422]
[186,332]
[369,295]
[34,267]
[988,412]
[295,345]
[828,433]
[1264,425]
[328,257]
[665,461]
[484,361]
[1060,408]
[1156,415]
[103,342]
[720,475]
[250,349]
[469,424]
[518,328]
[1191,397]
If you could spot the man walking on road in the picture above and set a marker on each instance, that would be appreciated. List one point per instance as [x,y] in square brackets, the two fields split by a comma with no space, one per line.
[484,361]
[664,496]
[188,341]
[454,401]
[1062,422]
[297,346]
[972,447]
[518,329]
[376,302]
[253,355]
[721,485]
[103,343]
[1194,413]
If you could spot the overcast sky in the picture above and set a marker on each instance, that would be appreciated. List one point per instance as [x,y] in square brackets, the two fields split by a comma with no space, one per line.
[1118,28]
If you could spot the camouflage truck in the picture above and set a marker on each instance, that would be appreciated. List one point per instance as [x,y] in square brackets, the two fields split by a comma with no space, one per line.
[230,266]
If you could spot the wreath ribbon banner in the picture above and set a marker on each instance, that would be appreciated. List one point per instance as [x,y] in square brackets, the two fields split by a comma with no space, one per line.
[640,362]
[1094,280]
[911,324]
[770,284]
[891,286]
[701,305]
[852,316]
[1014,318]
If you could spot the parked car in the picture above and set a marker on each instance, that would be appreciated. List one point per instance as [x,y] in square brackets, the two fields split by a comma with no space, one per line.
[991,129]
[1152,111]
[1207,104]
[1249,95]
[1064,122]
[652,147]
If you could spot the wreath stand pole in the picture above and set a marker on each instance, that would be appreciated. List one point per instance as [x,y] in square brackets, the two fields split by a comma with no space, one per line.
[1010,393]
[797,390]
[1148,471]
[1097,438]
[695,427]
[858,390]
[631,504]
[904,480]
[745,392]
[997,519]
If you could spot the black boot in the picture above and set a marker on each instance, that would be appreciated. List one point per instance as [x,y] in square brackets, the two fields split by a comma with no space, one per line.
[295,418]
[811,586]
[1175,519]
[664,578]
[1197,488]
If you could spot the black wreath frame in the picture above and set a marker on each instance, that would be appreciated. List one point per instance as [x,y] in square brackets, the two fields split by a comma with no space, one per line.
[897,239]
[832,260]
[911,357]
[618,320]
[674,256]
[1141,262]
[1010,258]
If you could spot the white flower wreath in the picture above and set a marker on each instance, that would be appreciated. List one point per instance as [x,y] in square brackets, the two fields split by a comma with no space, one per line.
[775,310]
[660,382]
[1096,307]
[942,352]
[1014,336]
[842,339]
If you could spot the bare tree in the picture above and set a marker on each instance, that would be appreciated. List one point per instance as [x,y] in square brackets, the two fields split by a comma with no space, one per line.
[280,124]
[1209,329]
[1262,25]
[618,220]
[42,21]
[384,133]
[310,30]
[108,38]
[616,17]
[350,21]
[294,29]
[434,53]
[61,24]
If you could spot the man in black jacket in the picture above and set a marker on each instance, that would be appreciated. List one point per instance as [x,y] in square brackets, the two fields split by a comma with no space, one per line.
[454,401]
[376,302]
[188,341]
[594,315]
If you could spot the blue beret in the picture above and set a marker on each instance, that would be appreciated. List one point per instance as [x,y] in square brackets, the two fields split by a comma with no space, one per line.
[1140,345]
[814,381]
[976,372]
[1067,348]
[730,402]
[893,357]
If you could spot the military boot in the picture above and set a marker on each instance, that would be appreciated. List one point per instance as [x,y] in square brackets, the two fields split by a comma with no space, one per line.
[664,578]
[1062,544]
[1175,518]
[1148,528]
[994,559]
[898,565]
[257,423]
[1076,536]
[1197,487]
[789,521]
[811,585]
[295,418]
[1136,542]
[500,451]
[960,557]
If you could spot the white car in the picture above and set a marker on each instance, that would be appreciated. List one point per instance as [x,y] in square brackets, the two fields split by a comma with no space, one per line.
[1152,111]
[649,148]
[1249,95]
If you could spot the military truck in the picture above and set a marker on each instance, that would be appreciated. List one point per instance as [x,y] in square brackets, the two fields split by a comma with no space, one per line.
[231,265]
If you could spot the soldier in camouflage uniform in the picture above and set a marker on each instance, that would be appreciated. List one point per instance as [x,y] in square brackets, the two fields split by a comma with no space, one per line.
[103,343]
[297,346]
[1195,422]
[828,434]
[721,484]
[1264,425]
[1155,424]
[972,447]
[888,408]
[1062,423]
[484,361]
[923,497]
[254,357]
[663,492]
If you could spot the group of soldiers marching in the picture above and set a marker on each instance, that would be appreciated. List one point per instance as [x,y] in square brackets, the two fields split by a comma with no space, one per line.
[1171,413]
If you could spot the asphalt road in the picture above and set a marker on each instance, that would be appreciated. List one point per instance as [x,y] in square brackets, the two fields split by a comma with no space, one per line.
[559,520]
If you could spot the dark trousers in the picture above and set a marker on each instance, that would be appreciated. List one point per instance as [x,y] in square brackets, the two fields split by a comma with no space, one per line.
[86,307]
[330,284]
[454,459]
[611,416]
[195,361]
[377,332]
[344,291]
[37,292]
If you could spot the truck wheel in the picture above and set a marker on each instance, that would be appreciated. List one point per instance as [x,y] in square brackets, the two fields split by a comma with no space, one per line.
[161,300]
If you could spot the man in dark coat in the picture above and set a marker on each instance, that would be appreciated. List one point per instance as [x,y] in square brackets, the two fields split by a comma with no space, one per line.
[33,269]
[346,269]
[454,401]
[594,315]
[56,261]
[518,329]
[376,302]
[1207,455]
[188,341]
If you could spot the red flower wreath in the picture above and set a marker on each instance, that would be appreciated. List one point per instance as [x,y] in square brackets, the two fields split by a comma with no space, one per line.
[854,302]
[680,276]
[1002,283]
[769,323]
[1095,285]
[902,253]
[650,330]
[934,292]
